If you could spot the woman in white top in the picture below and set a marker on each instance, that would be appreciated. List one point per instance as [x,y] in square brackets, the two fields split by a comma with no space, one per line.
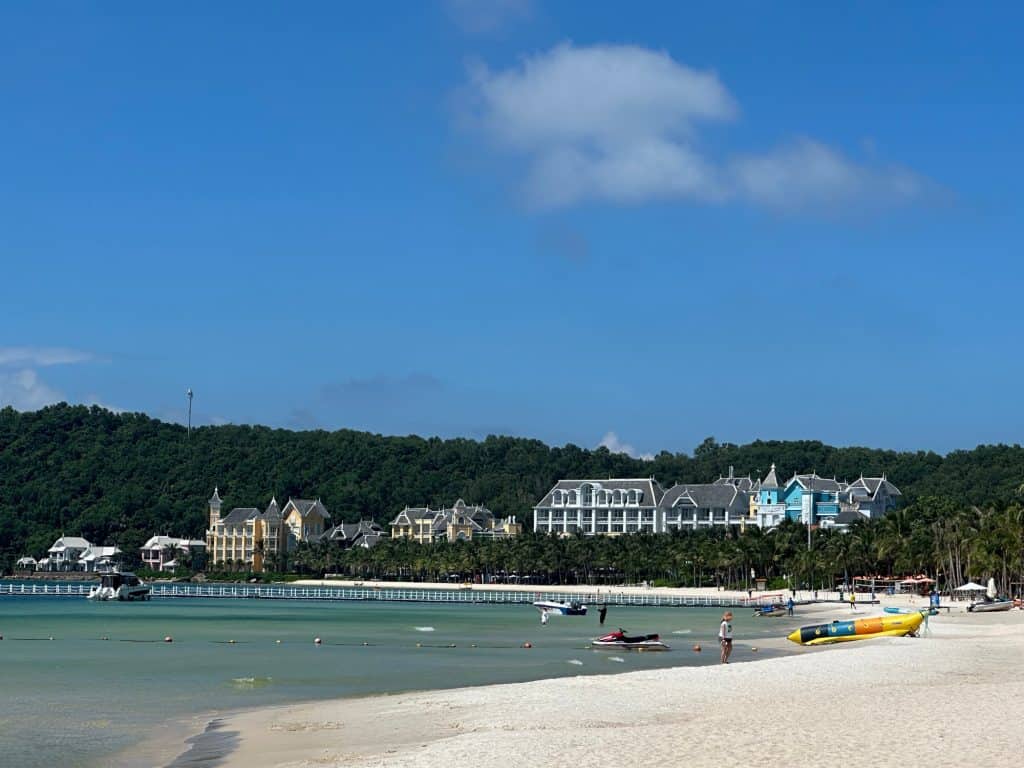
[725,636]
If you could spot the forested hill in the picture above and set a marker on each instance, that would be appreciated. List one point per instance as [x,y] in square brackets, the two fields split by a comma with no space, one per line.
[119,478]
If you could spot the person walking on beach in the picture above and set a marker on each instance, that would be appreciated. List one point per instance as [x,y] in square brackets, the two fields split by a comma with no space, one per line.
[853,600]
[789,607]
[725,636]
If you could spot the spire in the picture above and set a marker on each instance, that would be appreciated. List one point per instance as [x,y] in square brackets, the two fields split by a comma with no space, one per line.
[215,499]
[771,481]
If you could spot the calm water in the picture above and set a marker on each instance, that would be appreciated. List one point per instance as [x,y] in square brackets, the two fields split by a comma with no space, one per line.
[79,695]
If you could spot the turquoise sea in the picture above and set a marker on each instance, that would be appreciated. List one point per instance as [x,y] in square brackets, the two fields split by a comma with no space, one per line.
[79,699]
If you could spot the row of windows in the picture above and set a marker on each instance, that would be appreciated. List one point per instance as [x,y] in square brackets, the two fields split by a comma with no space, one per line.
[586,497]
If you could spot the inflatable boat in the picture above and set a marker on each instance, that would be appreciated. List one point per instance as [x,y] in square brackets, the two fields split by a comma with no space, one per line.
[859,629]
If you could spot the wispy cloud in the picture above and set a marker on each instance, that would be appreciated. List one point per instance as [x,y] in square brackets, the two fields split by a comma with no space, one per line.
[25,391]
[612,443]
[21,386]
[623,124]
[38,357]
[477,17]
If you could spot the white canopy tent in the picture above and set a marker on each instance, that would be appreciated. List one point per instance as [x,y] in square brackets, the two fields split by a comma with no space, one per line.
[970,586]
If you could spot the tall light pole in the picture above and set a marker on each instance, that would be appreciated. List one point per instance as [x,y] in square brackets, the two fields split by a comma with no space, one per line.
[188,394]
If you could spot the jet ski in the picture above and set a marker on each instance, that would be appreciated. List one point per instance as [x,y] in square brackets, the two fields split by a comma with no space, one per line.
[620,640]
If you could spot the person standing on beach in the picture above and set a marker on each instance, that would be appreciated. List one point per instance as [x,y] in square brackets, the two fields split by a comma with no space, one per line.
[725,636]
[789,607]
[853,600]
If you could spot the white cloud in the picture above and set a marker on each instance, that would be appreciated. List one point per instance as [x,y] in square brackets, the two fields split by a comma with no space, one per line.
[36,357]
[25,391]
[612,443]
[807,174]
[477,17]
[620,124]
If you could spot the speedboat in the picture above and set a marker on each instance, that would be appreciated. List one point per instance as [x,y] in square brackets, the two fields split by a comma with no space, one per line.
[119,586]
[985,606]
[620,640]
[565,609]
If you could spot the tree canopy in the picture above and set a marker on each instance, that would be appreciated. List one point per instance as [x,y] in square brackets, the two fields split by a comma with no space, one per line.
[120,478]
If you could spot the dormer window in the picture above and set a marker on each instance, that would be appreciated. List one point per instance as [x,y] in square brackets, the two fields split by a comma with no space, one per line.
[573,498]
[617,499]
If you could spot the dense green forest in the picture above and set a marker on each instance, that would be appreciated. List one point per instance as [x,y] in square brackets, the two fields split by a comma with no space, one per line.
[119,478]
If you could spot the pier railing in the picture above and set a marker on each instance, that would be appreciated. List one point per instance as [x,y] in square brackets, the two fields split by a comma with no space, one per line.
[394,594]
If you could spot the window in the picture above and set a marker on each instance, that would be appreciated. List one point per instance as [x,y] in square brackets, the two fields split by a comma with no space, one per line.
[588,495]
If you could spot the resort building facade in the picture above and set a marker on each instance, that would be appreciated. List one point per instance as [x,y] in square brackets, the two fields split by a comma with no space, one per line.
[458,522]
[815,500]
[613,506]
[635,505]
[252,537]
[165,553]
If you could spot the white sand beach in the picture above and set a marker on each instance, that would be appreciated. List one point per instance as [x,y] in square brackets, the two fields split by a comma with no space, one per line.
[952,697]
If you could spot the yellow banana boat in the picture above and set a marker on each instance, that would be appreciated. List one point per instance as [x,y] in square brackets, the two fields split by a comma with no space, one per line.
[859,629]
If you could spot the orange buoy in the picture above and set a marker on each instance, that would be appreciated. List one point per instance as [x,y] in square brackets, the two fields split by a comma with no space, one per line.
[696,648]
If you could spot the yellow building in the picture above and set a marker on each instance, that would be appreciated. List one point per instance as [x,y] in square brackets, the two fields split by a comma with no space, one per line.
[253,538]
[459,522]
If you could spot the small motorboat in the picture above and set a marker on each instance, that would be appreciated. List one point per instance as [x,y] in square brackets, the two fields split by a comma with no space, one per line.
[987,606]
[120,586]
[575,608]
[620,640]
[771,610]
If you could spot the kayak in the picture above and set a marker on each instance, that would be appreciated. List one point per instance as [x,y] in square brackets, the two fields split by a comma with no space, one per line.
[859,629]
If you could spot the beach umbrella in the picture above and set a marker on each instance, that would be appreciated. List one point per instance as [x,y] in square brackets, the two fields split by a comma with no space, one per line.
[991,590]
[970,586]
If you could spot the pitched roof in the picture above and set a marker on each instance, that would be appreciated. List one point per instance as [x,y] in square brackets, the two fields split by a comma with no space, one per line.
[306,506]
[70,542]
[240,515]
[215,499]
[814,483]
[652,491]
[873,484]
[772,480]
[272,512]
[705,496]
[848,516]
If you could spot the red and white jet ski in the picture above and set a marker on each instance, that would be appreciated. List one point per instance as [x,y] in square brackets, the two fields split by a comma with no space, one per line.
[620,640]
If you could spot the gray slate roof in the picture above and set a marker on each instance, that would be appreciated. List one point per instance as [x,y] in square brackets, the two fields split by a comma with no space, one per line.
[240,515]
[652,491]
[705,496]
[771,481]
[872,485]
[305,506]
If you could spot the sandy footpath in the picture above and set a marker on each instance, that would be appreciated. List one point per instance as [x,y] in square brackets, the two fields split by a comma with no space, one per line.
[952,697]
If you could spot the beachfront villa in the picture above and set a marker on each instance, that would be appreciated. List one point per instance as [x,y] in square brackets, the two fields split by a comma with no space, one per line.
[822,501]
[458,522]
[164,553]
[247,535]
[73,553]
[634,505]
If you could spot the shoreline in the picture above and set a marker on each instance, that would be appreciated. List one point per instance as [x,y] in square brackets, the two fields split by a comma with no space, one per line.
[894,691]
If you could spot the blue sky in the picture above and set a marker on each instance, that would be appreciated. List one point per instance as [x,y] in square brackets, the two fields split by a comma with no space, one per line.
[571,221]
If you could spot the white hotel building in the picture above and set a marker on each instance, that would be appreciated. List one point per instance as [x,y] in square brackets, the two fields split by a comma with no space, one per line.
[599,506]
